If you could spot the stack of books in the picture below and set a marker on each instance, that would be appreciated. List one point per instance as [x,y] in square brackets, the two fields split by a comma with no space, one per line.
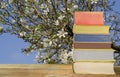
[92,44]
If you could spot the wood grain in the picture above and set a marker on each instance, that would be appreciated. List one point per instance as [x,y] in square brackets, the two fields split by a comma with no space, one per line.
[42,70]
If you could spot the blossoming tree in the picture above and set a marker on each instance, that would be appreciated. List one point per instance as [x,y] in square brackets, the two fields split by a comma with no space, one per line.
[45,24]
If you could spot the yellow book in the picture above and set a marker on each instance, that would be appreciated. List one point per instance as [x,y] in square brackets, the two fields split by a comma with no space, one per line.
[90,29]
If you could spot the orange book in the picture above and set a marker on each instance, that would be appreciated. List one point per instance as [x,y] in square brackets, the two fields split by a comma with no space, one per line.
[89,18]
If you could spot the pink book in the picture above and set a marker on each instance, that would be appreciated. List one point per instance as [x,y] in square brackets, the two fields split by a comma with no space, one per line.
[89,18]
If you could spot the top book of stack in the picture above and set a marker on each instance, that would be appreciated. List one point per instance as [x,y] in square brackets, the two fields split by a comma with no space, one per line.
[89,18]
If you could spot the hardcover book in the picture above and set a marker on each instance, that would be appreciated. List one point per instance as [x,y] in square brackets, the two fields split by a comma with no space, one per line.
[90,29]
[89,18]
[99,67]
[93,55]
[91,38]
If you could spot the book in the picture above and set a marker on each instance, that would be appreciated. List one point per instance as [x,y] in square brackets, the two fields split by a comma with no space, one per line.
[93,55]
[93,45]
[89,18]
[90,29]
[99,67]
[92,52]
[91,38]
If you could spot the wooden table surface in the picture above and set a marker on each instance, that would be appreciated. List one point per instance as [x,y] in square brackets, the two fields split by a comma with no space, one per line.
[42,70]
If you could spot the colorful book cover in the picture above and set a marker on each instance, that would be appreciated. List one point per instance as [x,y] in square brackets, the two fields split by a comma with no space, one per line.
[105,67]
[89,18]
[93,55]
[93,45]
[91,38]
[90,29]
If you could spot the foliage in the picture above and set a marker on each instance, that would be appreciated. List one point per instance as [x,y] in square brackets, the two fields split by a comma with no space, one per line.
[46,25]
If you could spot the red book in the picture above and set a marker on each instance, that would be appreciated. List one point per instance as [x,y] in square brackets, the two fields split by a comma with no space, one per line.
[89,18]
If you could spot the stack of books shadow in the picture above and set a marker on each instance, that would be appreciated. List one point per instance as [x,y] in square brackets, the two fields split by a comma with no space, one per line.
[92,44]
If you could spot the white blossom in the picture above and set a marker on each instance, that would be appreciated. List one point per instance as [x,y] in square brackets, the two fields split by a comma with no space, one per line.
[45,39]
[26,26]
[27,10]
[22,20]
[31,10]
[64,56]
[63,10]
[46,11]
[10,1]
[35,16]
[37,1]
[64,60]
[22,34]
[36,29]
[68,9]
[43,5]
[27,54]
[49,1]
[50,43]
[57,22]
[70,54]
[45,62]
[38,56]
[61,33]
[94,1]
[61,17]
[46,42]
[1,28]
[13,21]
[3,5]
[75,6]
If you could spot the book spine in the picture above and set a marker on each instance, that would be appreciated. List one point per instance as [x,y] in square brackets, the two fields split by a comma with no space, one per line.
[94,68]
[92,45]
[89,18]
[91,38]
[90,55]
[90,29]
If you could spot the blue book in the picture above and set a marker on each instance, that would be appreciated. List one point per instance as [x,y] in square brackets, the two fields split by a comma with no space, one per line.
[91,38]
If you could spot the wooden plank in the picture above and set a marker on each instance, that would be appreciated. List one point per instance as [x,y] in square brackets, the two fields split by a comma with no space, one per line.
[80,55]
[35,70]
[90,29]
[93,68]
[87,45]
[89,18]
[43,70]
[35,66]
[91,38]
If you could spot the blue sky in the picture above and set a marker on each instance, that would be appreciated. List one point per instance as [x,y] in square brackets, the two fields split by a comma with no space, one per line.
[10,48]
